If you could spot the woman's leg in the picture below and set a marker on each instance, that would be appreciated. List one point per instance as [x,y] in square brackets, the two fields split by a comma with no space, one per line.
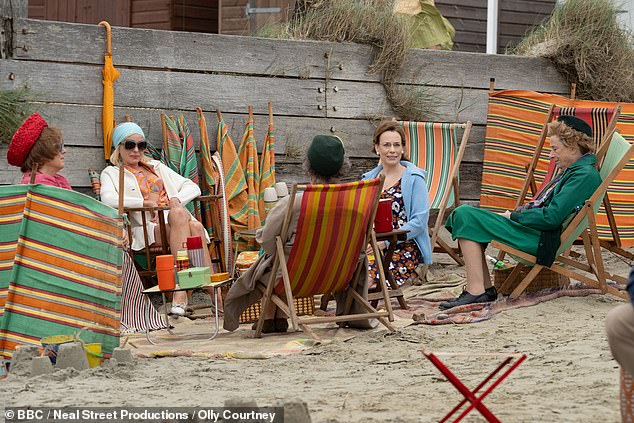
[485,271]
[473,255]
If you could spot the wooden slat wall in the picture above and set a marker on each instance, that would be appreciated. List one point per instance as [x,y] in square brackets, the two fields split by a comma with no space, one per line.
[469,17]
[195,16]
[117,12]
[232,18]
[154,14]
[173,72]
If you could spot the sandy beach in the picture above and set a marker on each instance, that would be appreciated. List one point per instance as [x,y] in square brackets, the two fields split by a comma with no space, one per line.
[374,376]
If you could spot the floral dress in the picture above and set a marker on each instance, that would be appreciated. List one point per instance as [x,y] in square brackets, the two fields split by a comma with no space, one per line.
[406,256]
[150,184]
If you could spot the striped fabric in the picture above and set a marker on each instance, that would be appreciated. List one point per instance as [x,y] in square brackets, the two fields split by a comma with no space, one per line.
[597,117]
[267,164]
[172,147]
[12,199]
[137,312]
[331,232]
[224,215]
[248,156]
[188,165]
[235,183]
[514,123]
[433,147]
[67,271]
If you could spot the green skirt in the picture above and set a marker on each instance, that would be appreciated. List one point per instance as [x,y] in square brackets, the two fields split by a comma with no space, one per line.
[483,226]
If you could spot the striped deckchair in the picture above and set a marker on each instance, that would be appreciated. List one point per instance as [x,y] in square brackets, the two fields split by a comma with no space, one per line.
[583,224]
[267,163]
[433,147]
[67,271]
[12,199]
[334,226]
[514,124]
[248,156]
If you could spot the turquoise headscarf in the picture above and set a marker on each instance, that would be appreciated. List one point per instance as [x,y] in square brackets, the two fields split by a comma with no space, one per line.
[124,130]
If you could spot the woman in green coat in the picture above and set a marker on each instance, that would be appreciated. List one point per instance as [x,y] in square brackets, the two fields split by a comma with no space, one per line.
[535,227]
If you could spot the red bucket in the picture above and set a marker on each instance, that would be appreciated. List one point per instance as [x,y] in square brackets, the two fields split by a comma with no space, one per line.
[383,218]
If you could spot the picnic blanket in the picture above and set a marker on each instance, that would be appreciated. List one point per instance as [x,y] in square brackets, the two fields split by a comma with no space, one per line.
[514,123]
[66,274]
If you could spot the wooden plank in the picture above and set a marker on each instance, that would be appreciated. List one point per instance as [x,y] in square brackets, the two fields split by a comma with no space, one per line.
[54,41]
[150,17]
[292,133]
[149,5]
[199,12]
[170,90]
[14,8]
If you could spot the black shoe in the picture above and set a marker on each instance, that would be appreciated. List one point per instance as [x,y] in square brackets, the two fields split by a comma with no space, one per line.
[491,293]
[464,299]
[268,327]
[281,325]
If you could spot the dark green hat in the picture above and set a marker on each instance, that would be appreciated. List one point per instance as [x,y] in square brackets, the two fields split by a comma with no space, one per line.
[326,154]
[576,124]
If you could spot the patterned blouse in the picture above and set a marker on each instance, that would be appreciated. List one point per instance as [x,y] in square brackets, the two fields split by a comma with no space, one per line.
[150,183]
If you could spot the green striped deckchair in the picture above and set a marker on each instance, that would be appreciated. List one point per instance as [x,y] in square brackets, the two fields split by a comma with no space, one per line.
[582,224]
[433,147]
[66,273]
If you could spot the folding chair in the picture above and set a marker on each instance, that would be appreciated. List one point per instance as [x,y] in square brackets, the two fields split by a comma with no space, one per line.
[603,121]
[511,360]
[582,224]
[433,147]
[335,225]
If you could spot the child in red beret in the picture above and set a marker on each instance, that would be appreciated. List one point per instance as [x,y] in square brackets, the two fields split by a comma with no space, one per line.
[37,147]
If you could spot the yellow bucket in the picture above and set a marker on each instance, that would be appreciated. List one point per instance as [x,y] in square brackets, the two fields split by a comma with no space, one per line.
[93,353]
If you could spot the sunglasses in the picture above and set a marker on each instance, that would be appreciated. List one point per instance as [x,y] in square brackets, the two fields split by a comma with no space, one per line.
[129,145]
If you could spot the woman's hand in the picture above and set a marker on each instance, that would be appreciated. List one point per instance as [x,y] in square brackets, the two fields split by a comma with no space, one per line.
[175,203]
[381,244]
[506,214]
[153,214]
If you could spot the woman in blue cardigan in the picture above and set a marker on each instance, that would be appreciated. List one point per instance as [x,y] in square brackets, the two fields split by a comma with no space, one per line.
[405,185]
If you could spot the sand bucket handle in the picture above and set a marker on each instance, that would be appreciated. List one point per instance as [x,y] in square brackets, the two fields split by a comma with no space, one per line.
[83,343]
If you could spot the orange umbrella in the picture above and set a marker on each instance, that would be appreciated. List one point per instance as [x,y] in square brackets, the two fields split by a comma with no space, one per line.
[110,74]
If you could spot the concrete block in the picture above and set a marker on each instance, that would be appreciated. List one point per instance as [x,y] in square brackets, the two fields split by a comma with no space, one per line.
[41,366]
[72,355]
[21,359]
[123,355]
[296,411]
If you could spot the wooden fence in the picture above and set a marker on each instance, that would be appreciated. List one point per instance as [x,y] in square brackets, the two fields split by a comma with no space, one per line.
[315,87]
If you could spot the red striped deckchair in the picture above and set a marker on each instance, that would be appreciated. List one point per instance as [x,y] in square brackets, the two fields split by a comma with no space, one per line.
[66,273]
[12,199]
[514,124]
[248,156]
[234,182]
[267,163]
[433,147]
[334,226]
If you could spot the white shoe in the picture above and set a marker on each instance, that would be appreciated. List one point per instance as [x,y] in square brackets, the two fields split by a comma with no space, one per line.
[179,309]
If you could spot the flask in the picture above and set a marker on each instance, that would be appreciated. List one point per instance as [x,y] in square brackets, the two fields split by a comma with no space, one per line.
[182,260]
[165,272]
[195,251]
[498,264]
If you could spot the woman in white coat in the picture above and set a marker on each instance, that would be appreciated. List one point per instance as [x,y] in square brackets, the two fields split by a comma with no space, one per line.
[149,183]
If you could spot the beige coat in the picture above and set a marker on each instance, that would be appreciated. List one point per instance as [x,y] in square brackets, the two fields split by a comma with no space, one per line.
[243,293]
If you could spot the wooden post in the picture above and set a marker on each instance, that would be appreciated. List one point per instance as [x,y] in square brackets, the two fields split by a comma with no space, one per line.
[9,11]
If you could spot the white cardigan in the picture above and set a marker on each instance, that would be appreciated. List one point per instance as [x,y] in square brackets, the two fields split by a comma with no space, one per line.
[175,185]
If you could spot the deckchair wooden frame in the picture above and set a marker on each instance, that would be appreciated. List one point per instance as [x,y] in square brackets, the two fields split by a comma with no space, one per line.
[437,244]
[530,184]
[590,239]
[286,305]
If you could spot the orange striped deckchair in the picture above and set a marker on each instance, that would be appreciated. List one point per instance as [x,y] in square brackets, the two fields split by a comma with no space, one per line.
[66,273]
[267,163]
[248,156]
[334,226]
[618,154]
[514,124]
[433,147]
